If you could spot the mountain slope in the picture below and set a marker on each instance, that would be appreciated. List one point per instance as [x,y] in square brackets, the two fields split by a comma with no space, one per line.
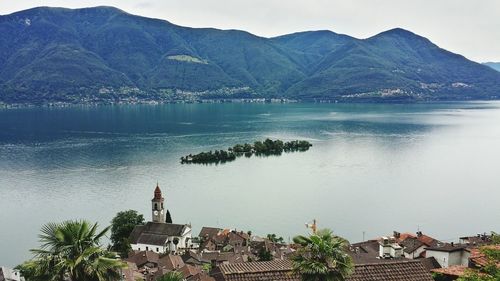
[105,54]
[400,64]
[494,65]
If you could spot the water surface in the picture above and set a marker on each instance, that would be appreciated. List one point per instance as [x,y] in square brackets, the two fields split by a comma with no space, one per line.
[372,169]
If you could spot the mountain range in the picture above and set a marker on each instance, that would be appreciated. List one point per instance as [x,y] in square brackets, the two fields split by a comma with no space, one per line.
[105,54]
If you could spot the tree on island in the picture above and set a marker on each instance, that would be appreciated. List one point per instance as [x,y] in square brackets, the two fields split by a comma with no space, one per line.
[121,227]
[322,257]
[71,251]
[267,147]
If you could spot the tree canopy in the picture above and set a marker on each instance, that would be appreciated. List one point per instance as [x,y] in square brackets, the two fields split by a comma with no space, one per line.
[121,227]
[71,251]
[322,257]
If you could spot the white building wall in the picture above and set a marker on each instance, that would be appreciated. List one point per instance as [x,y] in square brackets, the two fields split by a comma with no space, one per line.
[415,253]
[441,257]
[465,258]
[147,247]
[446,259]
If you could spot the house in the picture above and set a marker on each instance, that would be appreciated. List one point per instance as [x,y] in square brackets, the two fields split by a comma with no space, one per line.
[7,274]
[131,272]
[449,254]
[477,240]
[171,262]
[144,259]
[414,244]
[478,259]
[159,236]
[215,239]
[208,232]
[413,248]
[282,270]
[388,248]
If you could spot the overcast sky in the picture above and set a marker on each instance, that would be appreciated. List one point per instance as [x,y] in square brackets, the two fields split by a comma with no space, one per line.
[467,27]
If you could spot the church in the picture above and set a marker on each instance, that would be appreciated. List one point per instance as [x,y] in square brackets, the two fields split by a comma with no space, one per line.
[160,235]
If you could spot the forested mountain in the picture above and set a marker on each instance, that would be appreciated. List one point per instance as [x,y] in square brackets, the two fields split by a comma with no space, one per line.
[104,54]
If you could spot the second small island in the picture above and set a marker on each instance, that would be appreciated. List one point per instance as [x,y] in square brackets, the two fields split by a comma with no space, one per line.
[261,148]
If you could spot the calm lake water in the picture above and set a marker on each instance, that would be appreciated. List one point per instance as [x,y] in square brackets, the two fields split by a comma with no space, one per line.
[372,169]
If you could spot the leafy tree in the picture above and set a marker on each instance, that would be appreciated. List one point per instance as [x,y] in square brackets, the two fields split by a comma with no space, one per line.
[71,251]
[322,257]
[121,227]
[265,255]
[207,267]
[168,218]
[275,239]
[172,276]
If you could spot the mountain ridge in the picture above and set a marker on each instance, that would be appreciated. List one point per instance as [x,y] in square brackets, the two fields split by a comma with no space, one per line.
[104,54]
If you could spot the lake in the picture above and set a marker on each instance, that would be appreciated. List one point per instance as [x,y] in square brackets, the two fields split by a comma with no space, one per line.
[373,168]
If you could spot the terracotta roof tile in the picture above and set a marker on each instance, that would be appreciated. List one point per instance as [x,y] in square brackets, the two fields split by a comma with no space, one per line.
[454,270]
[479,259]
[282,270]
[393,271]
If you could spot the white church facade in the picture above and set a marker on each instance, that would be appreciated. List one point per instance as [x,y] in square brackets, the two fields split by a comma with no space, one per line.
[158,235]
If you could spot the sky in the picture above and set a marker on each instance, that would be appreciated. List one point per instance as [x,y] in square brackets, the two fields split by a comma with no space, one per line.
[468,27]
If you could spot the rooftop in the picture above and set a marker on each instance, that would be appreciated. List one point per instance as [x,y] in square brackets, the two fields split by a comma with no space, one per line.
[447,247]
[282,270]
[153,233]
[454,270]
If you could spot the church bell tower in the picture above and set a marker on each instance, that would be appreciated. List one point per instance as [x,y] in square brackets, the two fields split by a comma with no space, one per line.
[158,210]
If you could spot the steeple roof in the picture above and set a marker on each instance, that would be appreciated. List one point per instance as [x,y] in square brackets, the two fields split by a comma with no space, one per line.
[157,192]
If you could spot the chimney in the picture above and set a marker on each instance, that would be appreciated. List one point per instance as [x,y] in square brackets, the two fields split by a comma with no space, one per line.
[396,234]
[452,244]
[419,233]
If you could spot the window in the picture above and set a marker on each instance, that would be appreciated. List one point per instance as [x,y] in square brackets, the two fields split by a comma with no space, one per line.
[157,249]
[147,248]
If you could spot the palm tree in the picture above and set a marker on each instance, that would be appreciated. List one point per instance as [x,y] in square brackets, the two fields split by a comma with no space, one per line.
[71,251]
[172,276]
[322,257]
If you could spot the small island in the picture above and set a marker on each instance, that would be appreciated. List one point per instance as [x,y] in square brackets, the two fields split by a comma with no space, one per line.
[259,148]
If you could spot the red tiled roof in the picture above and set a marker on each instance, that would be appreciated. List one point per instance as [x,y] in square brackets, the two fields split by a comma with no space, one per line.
[478,258]
[427,240]
[143,257]
[171,262]
[391,271]
[189,270]
[282,270]
[454,270]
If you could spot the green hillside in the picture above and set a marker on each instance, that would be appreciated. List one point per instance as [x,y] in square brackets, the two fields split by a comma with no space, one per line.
[104,54]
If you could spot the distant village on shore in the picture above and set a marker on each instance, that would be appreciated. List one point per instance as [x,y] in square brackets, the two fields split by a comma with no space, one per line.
[159,246]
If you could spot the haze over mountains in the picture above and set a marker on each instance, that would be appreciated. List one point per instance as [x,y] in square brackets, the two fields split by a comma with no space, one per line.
[494,65]
[104,54]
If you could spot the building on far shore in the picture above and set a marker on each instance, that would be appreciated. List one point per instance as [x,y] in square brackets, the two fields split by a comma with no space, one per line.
[157,235]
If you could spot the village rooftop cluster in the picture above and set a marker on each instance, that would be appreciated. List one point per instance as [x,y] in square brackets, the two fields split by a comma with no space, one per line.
[216,254]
